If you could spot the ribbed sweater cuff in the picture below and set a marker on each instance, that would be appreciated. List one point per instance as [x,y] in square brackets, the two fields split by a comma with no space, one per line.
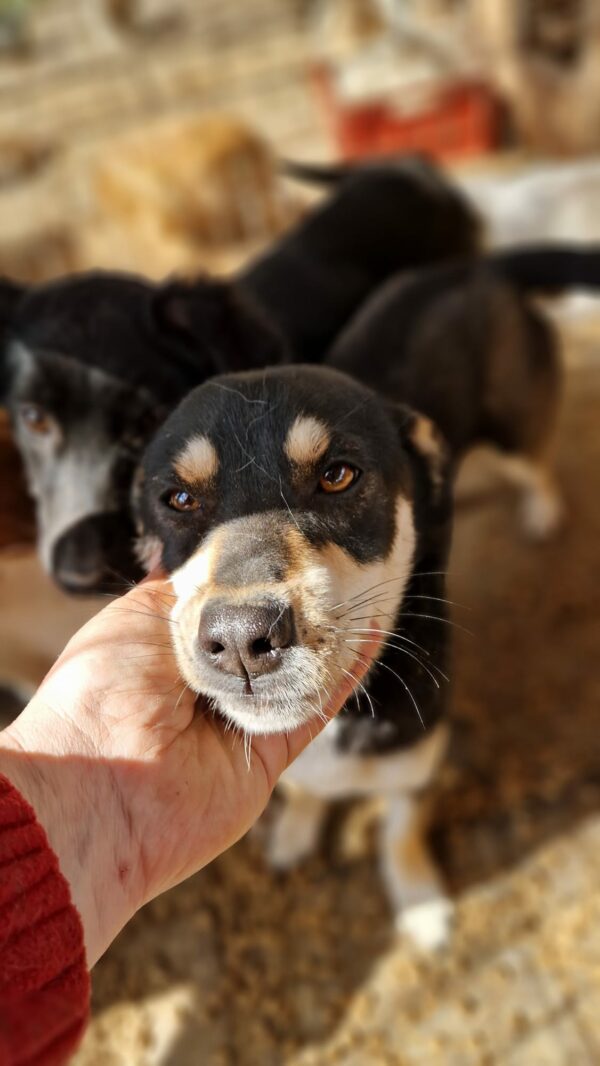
[44,980]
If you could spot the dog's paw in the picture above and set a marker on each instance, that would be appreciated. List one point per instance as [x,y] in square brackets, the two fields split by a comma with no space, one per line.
[428,925]
[542,514]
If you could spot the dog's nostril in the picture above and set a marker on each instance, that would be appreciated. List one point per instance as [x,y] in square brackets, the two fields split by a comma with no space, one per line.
[262,646]
[246,639]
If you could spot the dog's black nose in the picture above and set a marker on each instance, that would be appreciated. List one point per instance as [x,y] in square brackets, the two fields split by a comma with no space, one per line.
[96,555]
[246,639]
[77,562]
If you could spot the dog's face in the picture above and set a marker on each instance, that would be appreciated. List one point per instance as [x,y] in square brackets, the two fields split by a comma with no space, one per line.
[90,366]
[81,433]
[277,502]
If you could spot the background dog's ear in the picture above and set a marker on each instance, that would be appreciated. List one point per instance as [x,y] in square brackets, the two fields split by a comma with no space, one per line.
[432,461]
[11,293]
[422,437]
[215,328]
[432,466]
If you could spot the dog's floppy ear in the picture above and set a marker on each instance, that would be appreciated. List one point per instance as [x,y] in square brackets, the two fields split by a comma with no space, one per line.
[214,327]
[11,293]
[432,467]
[432,463]
[422,437]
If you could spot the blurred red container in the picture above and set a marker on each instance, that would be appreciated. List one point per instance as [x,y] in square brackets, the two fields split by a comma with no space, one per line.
[463,119]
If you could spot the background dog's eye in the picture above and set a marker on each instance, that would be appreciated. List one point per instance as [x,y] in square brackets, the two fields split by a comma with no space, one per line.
[35,418]
[338,477]
[182,501]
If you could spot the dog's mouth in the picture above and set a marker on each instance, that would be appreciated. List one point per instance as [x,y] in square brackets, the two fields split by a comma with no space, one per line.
[267,686]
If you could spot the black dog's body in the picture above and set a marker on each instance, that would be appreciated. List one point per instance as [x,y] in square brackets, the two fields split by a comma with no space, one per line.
[104,346]
[465,345]
[384,218]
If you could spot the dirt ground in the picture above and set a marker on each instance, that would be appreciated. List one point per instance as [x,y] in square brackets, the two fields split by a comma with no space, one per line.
[241,968]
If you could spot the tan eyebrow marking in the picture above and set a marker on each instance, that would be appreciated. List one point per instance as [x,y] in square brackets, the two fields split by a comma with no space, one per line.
[307,440]
[198,461]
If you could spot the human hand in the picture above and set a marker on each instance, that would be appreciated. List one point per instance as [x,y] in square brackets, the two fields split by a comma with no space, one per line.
[136,784]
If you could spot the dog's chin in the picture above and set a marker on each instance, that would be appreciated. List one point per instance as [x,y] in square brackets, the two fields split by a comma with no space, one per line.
[261,717]
[261,713]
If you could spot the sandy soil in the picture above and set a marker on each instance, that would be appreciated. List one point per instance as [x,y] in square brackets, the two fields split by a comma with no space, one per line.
[241,968]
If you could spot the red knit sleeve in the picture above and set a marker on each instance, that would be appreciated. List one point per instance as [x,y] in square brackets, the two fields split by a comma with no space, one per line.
[44,981]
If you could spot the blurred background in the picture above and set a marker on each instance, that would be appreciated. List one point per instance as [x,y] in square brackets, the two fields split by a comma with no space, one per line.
[144,135]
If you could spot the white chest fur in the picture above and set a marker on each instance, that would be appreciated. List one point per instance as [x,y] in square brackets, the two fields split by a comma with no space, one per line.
[325,771]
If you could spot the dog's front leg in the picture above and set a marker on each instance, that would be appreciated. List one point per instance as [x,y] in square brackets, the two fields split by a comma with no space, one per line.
[422,911]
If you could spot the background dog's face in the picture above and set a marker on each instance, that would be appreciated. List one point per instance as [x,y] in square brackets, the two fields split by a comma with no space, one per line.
[80,433]
[278,501]
[90,367]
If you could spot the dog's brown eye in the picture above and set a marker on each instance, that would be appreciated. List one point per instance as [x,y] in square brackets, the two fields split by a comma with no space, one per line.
[338,478]
[182,501]
[35,418]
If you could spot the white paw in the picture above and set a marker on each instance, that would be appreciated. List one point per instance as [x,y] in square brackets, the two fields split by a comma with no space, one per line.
[428,924]
[541,514]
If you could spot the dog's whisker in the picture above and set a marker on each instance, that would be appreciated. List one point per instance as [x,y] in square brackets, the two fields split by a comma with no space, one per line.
[244,466]
[387,581]
[396,634]
[150,655]
[145,614]
[413,614]
[404,651]
[159,593]
[358,684]
[390,615]
[352,411]
[367,590]
[236,392]
[385,666]
[253,458]
[438,599]
[431,573]
[185,688]
[276,620]
[437,618]
[289,509]
[152,644]
[378,600]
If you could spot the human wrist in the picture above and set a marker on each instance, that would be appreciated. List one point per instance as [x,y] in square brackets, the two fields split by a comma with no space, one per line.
[76,800]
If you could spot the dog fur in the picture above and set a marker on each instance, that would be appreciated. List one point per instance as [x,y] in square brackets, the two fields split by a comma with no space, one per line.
[106,356]
[465,345]
[259,540]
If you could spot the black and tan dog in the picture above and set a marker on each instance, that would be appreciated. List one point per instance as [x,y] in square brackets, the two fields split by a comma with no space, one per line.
[90,365]
[295,511]
[295,508]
